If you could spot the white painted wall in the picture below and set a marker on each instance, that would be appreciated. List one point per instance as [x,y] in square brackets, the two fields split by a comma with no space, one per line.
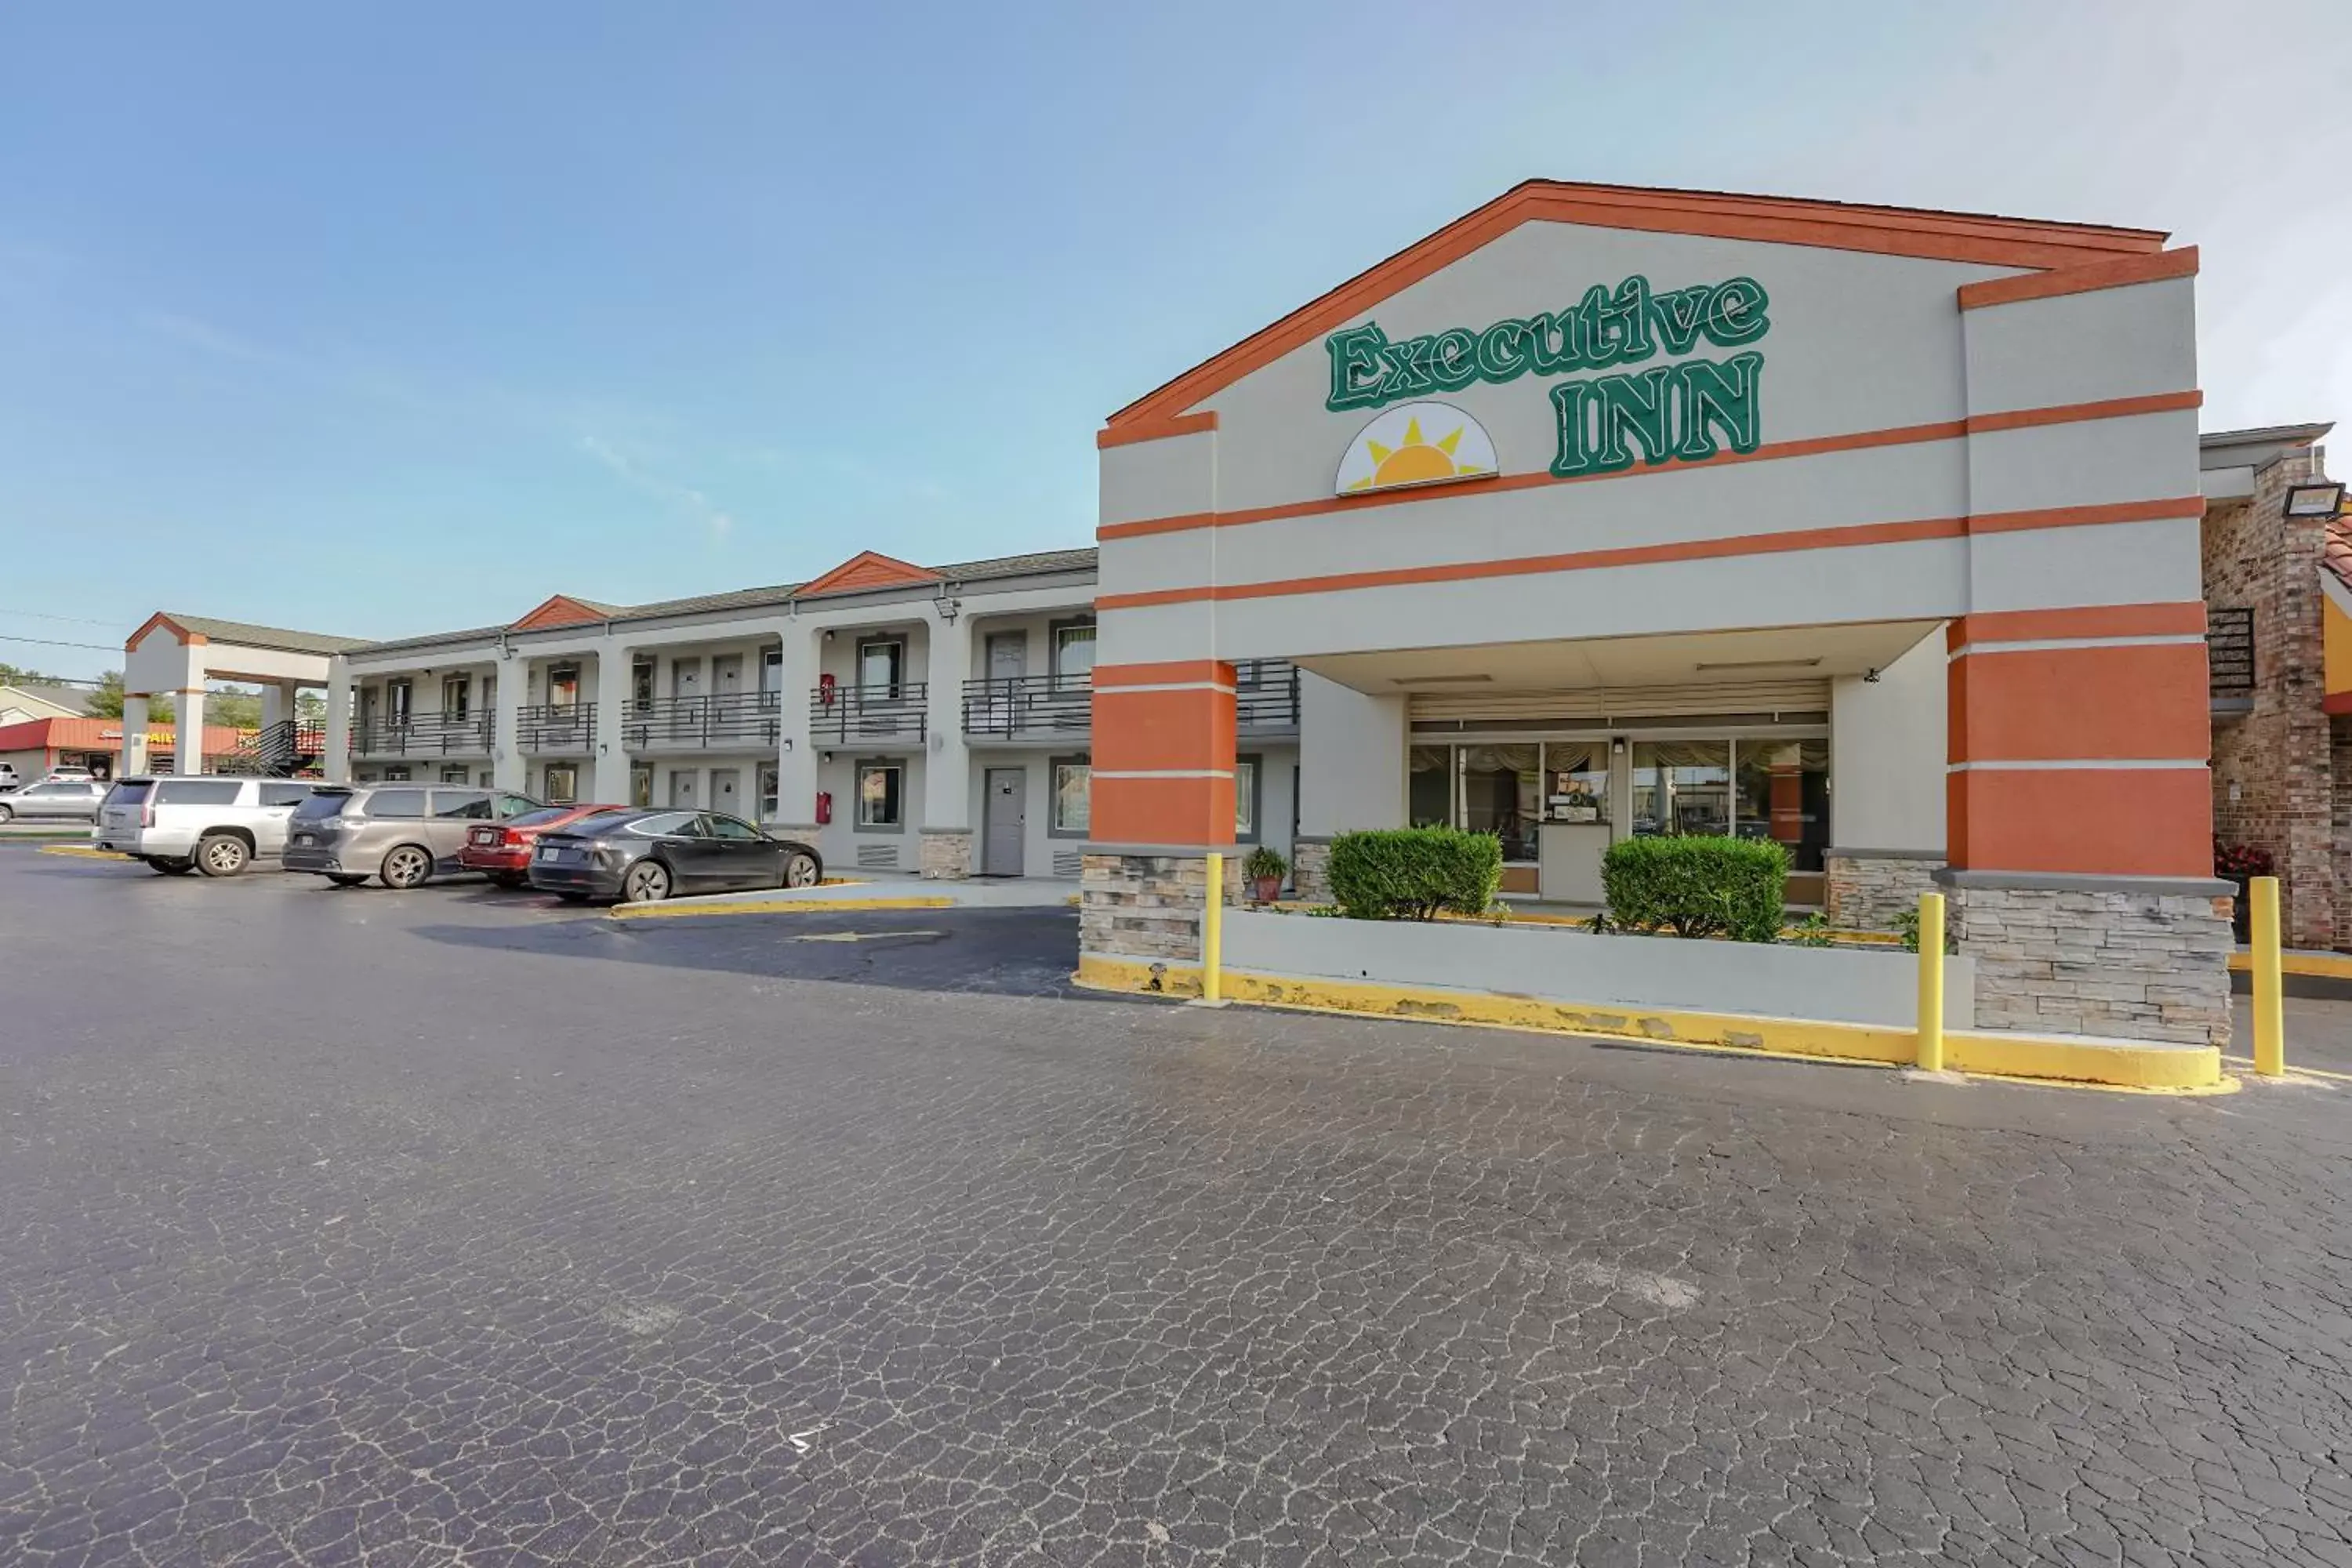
[1352,753]
[1829,984]
[1887,744]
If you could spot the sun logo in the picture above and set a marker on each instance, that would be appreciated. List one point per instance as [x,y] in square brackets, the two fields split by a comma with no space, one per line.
[1416,444]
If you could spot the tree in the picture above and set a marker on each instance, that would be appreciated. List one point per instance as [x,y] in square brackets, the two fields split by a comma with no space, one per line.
[233,708]
[107,700]
[17,675]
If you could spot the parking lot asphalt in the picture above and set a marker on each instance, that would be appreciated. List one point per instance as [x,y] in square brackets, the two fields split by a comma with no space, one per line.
[449,1227]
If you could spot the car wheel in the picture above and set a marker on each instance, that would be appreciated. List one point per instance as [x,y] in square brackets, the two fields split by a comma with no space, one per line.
[802,870]
[647,883]
[407,867]
[221,855]
[344,879]
[170,866]
[6,815]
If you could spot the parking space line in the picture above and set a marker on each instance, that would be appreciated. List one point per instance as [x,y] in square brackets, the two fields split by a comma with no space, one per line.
[773,907]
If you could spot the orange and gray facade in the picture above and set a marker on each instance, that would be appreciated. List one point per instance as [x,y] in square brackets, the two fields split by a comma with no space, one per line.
[1605,511]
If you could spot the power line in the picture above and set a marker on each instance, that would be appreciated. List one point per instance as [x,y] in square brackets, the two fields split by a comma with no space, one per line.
[43,616]
[52,642]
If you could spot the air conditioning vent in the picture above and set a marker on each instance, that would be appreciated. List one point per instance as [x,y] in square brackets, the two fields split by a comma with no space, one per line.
[1070,862]
[878,857]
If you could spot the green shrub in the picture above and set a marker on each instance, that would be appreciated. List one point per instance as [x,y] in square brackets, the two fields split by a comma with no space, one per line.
[1698,885]
[1413,873]
[1265,864]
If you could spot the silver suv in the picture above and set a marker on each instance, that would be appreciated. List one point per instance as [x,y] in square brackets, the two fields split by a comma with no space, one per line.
[402,833]
[216,825]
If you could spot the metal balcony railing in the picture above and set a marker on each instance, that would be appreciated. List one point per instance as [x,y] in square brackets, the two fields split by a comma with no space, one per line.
[1026,706]
[556,727]
[753,718]
[2230,651]
[841,714]
[428,734]
[1265,694]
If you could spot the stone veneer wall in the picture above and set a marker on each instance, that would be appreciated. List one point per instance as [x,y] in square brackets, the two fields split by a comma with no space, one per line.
[2279,756]
[1310,870]
[1871,889]
[947,854]
[2142,965]
[1146,904]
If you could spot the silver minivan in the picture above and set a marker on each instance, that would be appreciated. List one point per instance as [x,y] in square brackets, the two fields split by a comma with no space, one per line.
[404,834]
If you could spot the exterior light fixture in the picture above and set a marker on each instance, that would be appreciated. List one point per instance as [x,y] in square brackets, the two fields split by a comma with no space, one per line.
[948,608]
[788,742]
[2314,500]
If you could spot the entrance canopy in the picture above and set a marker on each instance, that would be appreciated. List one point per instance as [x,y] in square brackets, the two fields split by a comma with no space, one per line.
[179,655]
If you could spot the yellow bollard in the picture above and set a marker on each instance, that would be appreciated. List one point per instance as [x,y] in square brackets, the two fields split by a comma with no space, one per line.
[1931,983]
[2270,1014]
[1213,932]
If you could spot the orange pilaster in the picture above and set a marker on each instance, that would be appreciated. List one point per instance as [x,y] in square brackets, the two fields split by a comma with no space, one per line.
[2083,752]
[1164,754]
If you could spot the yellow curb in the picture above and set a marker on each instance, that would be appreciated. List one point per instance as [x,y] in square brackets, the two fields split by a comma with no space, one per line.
[2300,961]
[83,852]
[2030,1058]
[771,907]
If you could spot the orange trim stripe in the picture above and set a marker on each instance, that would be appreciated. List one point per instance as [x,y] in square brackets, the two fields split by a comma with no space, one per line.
[1885,231]
[2085,621]
[2080,516]
[1162,731]
[1813,446]
[2119,273]
[1170,672]
[2066,413]
[1158,430]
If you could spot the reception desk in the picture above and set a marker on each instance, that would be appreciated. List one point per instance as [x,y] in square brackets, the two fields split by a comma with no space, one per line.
[1567,856]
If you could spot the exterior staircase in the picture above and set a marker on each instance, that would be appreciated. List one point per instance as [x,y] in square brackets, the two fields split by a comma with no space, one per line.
[280,751]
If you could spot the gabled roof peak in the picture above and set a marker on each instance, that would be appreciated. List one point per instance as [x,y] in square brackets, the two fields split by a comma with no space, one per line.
[868,569]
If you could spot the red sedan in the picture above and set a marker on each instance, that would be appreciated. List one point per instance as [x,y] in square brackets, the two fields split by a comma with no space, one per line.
[502,850]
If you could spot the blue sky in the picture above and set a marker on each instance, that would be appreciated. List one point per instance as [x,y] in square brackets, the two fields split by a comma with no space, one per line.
[379,320]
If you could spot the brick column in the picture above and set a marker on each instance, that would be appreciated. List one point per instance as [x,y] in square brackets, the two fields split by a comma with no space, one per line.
[1161,800]
[2079,810]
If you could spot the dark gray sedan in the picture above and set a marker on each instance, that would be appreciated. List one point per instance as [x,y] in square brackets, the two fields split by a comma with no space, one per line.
[57,800]
[644,856]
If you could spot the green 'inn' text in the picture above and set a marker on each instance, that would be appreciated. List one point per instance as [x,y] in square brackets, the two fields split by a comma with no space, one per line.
[1673,413]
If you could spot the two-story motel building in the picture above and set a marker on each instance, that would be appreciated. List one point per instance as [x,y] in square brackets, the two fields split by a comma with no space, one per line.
[902,718]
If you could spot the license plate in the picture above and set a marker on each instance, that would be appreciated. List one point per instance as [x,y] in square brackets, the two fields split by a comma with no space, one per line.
[304,839]
[486,836]
[553,854]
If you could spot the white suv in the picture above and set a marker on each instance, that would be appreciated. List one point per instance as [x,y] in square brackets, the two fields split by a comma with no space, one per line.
[216,825]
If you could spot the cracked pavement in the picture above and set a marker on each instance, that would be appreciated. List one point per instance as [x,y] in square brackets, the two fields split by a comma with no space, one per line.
[450,1228]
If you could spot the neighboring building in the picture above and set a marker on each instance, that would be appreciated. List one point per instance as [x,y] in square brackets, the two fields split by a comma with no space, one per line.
[1603,511]
[2278,593]
[27,701]
[905,718]
[35,746]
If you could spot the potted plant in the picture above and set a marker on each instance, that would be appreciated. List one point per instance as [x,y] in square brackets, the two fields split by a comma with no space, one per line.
[1264,870]
[2242,863]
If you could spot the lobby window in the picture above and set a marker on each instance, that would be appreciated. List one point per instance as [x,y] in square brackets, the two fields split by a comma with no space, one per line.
[1682,786]
[1429,802]
[1246,799]
[1576,781]
[880,789]
[1072,808]
[1782,791]
[1502,789]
